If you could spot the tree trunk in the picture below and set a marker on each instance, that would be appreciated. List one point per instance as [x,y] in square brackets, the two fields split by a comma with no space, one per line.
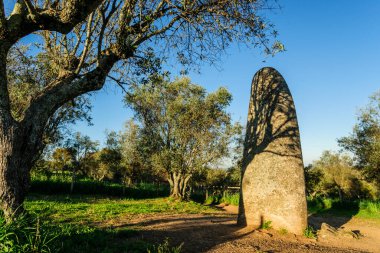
[178,185]
[15,164]
[174,187]
[73,178]
[340,194]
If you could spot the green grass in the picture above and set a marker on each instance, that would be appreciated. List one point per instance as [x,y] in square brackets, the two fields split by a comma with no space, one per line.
[231,199]
[91,209]
[365,209]
[228,198]
[85,223]
[266,225]
[369,210]
[310,233]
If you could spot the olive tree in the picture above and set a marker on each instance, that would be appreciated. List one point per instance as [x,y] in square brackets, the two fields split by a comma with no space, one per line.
[364,141]
[188,129]
[86,42]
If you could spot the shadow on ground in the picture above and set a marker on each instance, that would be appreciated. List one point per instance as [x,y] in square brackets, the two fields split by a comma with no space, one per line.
[219,233]
[337,215]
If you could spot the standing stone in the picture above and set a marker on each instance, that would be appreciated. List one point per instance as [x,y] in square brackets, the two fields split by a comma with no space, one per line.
[273,184]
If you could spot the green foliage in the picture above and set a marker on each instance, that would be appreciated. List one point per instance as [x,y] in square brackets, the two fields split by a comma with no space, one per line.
[369,209]
[28,74]
[26,234]
[283,231]
[60,184]
[184,129]
[310,232]
[231,199]
[212,200]
[266,224]
[364,141]
[165,247]
[227,198]
[334,175]
[359,208]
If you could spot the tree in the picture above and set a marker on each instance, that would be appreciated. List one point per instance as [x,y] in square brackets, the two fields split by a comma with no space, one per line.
[86,41]
[313,178]
[82,147]
[63,159]
[364,141]
[334,174]
[106,162]
[187,128]
[28,75]
[131,154]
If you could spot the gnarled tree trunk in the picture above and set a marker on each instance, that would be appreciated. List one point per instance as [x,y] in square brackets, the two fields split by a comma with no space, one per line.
[178,185]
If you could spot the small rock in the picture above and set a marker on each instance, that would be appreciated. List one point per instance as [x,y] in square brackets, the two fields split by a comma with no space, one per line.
[329,231]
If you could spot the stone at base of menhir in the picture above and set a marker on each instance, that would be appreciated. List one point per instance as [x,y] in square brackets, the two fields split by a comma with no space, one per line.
[273,184]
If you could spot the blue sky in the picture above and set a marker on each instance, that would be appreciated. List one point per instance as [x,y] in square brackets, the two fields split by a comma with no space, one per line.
[331,65]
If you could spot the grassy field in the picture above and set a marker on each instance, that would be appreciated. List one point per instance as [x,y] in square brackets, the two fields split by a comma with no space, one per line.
[88,222]
[82,223]
[81,209]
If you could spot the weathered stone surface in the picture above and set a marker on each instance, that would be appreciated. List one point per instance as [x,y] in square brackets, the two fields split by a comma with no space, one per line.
[273,184]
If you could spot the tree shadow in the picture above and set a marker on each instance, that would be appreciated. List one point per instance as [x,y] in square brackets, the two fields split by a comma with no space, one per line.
[272,124]
[337,215]
[196,233]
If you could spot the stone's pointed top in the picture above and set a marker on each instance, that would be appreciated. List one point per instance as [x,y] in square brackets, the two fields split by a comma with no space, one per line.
[261,76]
[268,69]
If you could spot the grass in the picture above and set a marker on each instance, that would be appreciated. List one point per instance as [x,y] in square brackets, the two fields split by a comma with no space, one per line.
[364,209]
[266,225]
[84,223]
[92,209]
[231,199]
[227,198]
[310,232]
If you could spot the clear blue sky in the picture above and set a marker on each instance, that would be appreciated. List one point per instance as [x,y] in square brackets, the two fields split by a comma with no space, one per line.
[332,65]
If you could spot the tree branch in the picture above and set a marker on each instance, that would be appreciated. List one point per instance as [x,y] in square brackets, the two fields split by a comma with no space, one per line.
[26,18]
[2,17]
[43,106]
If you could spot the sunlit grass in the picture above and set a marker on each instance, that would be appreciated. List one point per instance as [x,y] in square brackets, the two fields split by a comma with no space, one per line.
[83,222]
[365,209]
[87,209]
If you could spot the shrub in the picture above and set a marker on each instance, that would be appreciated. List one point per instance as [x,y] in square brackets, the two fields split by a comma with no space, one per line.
[165,248]
[214,199]
[266,225]
[310,232]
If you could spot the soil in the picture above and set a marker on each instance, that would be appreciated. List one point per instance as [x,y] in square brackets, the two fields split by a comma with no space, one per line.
[218,233]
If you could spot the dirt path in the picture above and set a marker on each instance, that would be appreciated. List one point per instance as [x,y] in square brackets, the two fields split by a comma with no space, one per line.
[219,233]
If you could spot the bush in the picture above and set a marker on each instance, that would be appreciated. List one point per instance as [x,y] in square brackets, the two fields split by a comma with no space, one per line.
[165,248]
[213,200]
